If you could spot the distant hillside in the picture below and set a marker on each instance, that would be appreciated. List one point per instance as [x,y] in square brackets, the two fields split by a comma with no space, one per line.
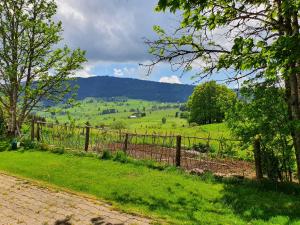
[104,86]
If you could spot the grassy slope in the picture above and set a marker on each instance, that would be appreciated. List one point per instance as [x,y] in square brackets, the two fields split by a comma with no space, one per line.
[171,195]
[90,111]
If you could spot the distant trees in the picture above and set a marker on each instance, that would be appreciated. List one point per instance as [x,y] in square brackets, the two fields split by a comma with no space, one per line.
[209,102]
[109,111]
[32,66]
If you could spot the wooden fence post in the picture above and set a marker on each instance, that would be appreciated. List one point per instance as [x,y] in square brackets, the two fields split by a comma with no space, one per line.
[87,137]
[257,158]
[178,150]
[32,129]
[38,136]
[126,143]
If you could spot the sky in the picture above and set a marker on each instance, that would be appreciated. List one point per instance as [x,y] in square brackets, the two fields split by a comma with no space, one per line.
[113,33]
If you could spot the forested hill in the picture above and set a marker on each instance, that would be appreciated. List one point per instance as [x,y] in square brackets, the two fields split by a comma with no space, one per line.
[105,86]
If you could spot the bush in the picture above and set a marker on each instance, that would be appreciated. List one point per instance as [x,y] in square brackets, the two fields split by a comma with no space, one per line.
[120,156]
[44,147]
[57,150]
[28,144]
[200,147]
[106,155]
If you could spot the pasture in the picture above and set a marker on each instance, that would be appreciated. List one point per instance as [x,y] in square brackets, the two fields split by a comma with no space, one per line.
[91,109]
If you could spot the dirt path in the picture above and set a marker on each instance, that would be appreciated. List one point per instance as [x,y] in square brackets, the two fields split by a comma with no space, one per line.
[24,203]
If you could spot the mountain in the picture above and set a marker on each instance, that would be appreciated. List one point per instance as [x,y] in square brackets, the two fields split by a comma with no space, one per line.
[105,87]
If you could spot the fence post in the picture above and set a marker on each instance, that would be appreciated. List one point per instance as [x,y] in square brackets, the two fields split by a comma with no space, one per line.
[178,150]
[87,137]
[32,129]
[38,136]
[126,143]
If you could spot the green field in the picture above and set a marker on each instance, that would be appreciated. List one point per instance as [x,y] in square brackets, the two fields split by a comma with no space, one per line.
[169,195]
[89,110]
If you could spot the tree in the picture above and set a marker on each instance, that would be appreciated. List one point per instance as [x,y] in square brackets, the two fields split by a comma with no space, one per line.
[255,122]
[249,40]
[209,102]
[164,120]
[32,66]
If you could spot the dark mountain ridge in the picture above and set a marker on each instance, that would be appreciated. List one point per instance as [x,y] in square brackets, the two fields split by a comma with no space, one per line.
[106,87]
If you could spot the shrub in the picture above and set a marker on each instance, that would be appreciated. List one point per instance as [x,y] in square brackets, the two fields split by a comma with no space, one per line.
[200,147]
[120,156]
[28,144]
[44,147]
[58,150]
[106,155]
[163,120]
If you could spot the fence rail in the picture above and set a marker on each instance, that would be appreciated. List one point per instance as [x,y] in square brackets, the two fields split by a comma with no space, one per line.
[181,151]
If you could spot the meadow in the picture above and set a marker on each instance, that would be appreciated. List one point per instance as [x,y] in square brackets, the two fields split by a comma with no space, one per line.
[163,194]
[91,110]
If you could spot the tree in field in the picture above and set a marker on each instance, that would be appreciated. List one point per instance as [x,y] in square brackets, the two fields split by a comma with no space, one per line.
[254,121]
[32,67]
[209,102]
[250,40]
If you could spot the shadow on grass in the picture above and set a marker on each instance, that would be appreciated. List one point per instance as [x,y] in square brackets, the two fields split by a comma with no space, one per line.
[248,200]
[263,200]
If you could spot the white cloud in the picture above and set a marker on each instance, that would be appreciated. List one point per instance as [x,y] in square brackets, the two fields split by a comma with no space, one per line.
[118,72]
[86,71]
[172,80]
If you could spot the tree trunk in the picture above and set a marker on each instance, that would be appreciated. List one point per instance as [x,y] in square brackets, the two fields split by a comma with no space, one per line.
[13,126]
[257,158]
[292,94]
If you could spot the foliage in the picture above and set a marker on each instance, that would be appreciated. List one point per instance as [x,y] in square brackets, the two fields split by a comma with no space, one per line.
[164,120]
[243,40]
[33,67]
[169,195]
[209,103]
[28,144]
[120,156]
[2,123]
[263,112]
[106,154]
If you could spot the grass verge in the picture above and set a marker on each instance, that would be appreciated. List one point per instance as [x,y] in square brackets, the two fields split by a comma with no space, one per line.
[167,194]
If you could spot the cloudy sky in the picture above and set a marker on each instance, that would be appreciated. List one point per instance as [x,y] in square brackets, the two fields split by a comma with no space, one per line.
[112,33]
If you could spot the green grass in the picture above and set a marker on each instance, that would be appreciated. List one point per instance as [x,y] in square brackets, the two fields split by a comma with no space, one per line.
[170,194]
[90,109]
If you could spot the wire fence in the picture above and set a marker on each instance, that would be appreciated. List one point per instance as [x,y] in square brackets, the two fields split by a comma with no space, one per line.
[190,153]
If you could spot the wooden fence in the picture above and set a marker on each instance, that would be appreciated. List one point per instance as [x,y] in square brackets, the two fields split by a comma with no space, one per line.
[181,151]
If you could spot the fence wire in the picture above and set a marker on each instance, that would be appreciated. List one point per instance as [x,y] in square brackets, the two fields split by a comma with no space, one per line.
[195,152]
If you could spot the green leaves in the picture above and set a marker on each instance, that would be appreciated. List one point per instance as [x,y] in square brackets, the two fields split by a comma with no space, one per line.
[33,67]
[209,103]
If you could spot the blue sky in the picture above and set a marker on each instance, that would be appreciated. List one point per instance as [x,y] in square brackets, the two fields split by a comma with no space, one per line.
[113,33]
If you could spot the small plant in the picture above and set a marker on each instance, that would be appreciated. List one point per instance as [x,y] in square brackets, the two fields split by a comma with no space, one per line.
[59,151]
[120,156]
[28,144]
[106,155]
[44,147]
[164,120]
[202,148]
